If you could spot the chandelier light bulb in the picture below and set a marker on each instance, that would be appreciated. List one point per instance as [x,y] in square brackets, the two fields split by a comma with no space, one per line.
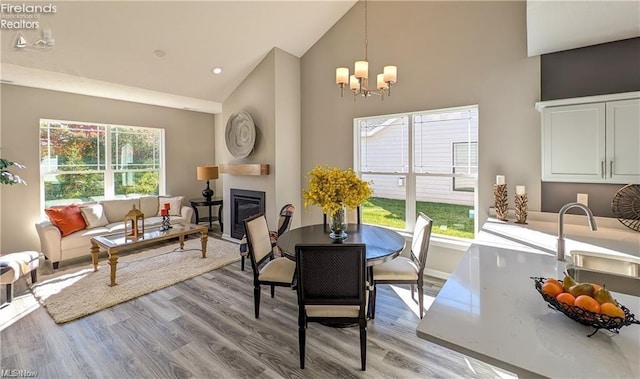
[353,83]
[362,69]
[390,74]
[342,75]
[380,82]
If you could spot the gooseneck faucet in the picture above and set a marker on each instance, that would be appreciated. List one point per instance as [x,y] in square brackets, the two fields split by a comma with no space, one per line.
[563,210]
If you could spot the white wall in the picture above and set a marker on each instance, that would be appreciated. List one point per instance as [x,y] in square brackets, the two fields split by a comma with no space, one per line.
[189,141]
[287,168]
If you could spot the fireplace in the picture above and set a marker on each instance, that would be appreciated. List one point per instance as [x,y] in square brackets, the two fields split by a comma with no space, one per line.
[244,204]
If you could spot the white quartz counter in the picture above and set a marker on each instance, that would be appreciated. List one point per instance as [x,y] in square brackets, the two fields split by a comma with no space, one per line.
[490,310]
[541,233]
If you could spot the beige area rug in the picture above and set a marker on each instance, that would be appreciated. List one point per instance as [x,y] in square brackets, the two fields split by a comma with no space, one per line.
[77,292]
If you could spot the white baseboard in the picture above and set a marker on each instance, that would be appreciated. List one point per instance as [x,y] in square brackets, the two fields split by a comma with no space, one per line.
[437,274]
[228,237]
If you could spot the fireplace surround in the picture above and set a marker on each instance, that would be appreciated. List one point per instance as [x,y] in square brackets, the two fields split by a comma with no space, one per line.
[244,204]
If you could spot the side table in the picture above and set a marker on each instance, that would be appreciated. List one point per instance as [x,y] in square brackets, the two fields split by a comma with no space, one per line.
[195,203]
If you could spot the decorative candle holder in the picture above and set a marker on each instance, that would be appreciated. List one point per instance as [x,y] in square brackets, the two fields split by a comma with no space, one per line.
[166,223]
[521,208]
[500,201]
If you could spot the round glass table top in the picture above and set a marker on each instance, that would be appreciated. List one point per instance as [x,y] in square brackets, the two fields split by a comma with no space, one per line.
[382,244]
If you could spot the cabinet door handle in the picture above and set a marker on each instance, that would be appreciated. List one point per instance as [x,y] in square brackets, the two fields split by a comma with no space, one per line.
[602,169]
[611,169]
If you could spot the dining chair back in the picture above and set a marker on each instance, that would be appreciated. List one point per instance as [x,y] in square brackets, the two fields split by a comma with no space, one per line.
[266,268]
[284,220]
[284,224]
[403,270]
[331,286]
[421,239]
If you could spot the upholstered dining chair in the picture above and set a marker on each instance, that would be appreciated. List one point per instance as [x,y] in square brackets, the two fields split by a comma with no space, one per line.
[267,269]
[403,270]
[331,287]
[284,224]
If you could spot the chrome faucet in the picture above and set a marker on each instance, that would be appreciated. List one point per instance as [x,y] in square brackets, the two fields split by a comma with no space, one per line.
[563,210]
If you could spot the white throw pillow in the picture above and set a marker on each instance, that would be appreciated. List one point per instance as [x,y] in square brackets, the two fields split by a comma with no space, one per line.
[149,205]
[116,209]
[94,215]
[175,203]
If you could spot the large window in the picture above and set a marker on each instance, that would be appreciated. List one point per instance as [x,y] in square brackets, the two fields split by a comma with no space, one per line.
[87,161]
[420,162]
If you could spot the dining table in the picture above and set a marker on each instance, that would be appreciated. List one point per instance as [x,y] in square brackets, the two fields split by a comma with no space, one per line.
[383,244]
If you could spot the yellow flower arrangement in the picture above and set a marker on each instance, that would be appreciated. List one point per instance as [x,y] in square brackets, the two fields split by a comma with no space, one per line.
[332,187]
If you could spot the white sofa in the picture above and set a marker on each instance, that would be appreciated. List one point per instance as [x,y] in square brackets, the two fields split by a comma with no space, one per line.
[57,248]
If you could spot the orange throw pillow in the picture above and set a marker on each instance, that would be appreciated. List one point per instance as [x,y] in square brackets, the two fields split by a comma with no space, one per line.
[67,219]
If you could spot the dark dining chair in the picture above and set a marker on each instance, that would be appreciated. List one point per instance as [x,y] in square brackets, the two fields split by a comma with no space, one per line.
[284,224]
[331,287]
[267,269]
[403,270]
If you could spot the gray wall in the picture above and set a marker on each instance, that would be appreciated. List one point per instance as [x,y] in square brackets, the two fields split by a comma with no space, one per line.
[612,67]
[271,95]
[555,195]
[189,138]
[448,54]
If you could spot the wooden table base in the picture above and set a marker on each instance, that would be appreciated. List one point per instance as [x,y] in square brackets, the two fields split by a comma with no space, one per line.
[113,252]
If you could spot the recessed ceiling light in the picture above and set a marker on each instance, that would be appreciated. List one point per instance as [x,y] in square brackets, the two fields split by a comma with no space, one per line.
[217,70]
[159,53]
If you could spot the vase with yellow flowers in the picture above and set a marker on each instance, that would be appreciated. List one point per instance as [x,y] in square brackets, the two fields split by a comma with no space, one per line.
[334,189]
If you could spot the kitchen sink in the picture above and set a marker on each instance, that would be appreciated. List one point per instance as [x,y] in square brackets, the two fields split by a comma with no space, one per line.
[619,273]
[609,263]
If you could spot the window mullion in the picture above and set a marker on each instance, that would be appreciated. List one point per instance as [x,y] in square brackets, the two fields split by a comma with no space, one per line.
[410,204]
[109,187]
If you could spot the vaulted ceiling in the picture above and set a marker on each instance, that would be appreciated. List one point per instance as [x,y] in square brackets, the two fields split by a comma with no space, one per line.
[163,52]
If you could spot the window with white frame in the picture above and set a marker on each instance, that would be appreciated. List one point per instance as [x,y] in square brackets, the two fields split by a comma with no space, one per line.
[82,161]
[420,162]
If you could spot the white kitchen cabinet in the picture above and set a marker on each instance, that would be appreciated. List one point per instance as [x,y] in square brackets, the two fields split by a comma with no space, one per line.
[591,142]
[623,141]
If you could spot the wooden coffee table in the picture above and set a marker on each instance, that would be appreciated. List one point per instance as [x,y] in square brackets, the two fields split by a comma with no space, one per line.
[114,243]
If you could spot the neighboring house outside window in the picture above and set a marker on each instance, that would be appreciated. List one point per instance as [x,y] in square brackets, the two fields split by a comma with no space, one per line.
[420,161]
[465,158]
[82,161]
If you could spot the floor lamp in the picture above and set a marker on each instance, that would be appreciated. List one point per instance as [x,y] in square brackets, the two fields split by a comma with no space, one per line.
[207,173]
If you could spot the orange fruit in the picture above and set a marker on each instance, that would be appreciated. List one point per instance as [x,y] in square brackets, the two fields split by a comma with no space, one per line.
[554,281]
[566,298]
[552,289]
[612,310]
[588,303]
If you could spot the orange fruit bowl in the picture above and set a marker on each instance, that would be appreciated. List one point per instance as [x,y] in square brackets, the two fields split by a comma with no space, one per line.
[585,317]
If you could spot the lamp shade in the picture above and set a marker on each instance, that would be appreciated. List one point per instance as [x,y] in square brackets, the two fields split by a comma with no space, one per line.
[207,172]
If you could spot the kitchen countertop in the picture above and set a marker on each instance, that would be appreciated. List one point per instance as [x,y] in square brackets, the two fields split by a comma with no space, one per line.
[541,233]
[489,309]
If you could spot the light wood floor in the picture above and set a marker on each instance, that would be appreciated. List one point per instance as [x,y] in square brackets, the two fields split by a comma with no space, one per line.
[205,328]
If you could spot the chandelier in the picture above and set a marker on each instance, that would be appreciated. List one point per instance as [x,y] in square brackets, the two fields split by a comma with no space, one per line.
[359,81]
